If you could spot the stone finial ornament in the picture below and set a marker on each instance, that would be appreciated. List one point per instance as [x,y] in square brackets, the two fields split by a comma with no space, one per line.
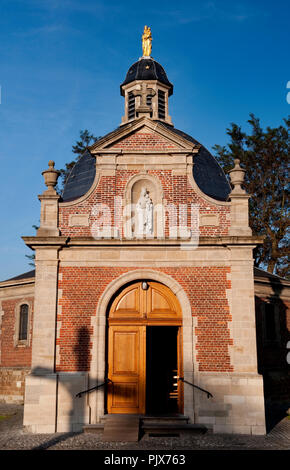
[50,178]
[237,175]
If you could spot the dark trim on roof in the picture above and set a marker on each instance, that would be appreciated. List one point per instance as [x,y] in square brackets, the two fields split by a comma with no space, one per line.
[260,273]
[27,275]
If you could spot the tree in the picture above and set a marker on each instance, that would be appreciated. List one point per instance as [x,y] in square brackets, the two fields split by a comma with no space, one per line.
[264,154]
[79,148]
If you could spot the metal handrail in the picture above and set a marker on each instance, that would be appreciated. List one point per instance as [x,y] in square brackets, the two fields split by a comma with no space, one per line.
[93,388]
[196,386]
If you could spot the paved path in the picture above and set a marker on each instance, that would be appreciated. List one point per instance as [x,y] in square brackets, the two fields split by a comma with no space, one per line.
[13,436]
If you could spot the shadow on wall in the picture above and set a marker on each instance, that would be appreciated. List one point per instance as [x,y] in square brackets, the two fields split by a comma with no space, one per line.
[71,412]
[272,337]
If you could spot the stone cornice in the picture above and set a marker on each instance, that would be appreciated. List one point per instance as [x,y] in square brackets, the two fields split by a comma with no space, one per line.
[46,242]
[60,242]
[119,151]
[15,282]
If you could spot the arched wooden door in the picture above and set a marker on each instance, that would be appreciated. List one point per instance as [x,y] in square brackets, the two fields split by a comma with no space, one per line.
[133,313]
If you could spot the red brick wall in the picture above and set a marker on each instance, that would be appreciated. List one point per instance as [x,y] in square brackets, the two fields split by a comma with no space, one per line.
[145,141]
[177,190]
[206,290]
[14,355]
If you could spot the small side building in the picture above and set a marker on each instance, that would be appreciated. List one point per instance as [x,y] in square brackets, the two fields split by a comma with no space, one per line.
[16,329]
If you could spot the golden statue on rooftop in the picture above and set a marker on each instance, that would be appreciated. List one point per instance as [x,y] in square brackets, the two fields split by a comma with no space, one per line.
[147,42]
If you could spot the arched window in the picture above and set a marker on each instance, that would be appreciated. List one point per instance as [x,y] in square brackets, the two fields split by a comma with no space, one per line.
[23,323]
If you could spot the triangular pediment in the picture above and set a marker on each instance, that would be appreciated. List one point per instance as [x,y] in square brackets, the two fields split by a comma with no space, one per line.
[142,134]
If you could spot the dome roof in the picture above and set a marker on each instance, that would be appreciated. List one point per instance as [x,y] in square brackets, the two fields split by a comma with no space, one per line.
[207,173]
[147,69]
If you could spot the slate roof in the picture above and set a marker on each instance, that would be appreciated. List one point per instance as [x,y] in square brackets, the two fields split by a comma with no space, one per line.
[147,69]
[264,274]
[23,276]
[80,178]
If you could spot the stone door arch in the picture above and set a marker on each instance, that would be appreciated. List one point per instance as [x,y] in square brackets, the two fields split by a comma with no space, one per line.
[98,364]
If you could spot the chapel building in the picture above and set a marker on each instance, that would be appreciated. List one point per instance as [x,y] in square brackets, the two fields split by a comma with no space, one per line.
[143,294]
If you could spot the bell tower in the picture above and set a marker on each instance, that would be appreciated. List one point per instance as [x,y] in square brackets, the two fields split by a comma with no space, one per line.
[146,88]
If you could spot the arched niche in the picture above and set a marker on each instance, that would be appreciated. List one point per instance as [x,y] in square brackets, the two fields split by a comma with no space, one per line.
[132,194]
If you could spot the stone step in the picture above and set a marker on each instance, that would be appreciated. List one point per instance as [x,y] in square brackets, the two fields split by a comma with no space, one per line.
[93,428]
[123,427]
[155,425]
[172,428]
[171,419]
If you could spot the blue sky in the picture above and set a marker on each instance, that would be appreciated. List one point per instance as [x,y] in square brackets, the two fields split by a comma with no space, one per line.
[62,61]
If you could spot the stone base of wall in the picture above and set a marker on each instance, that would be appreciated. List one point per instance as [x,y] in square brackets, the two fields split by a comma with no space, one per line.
[237,406]
[51,404]
[12,384]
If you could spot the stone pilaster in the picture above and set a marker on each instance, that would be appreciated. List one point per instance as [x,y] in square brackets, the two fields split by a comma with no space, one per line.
[45,304]
[243,330]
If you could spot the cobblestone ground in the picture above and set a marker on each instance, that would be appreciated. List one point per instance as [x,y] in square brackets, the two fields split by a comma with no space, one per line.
[13,436]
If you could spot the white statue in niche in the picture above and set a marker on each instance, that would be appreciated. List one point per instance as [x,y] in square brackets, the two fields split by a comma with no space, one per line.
[144,213]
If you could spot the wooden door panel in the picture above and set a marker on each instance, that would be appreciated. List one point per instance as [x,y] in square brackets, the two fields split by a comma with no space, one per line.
[129,304]
[159,301]
[125,353]
[160,304]
[125,396]
[126,393]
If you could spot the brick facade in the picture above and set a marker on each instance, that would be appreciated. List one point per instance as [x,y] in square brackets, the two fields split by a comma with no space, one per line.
[177,191]
[81,289]
[144,141]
